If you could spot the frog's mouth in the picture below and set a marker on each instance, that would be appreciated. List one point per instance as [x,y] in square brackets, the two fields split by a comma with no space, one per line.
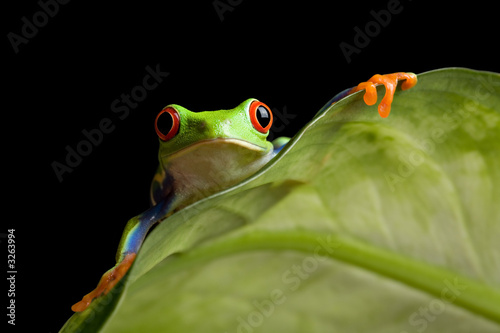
[239,142]
[220,143]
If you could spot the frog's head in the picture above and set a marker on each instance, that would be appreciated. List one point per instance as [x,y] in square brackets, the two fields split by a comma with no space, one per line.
[246,126]
[216,139]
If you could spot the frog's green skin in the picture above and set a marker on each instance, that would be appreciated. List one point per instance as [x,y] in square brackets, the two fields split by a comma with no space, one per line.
[212,151]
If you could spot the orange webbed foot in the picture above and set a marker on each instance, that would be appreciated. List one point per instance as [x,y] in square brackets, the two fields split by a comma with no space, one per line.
[107,282]
[390,81]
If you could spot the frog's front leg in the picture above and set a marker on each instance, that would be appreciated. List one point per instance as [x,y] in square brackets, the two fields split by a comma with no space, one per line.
[132,238]
[390,82]
[278,144]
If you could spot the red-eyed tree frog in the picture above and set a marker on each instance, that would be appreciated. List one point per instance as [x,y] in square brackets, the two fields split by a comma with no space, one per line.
[194,147]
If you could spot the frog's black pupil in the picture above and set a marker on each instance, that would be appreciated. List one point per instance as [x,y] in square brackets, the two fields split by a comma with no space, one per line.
[165,123]
[263,116]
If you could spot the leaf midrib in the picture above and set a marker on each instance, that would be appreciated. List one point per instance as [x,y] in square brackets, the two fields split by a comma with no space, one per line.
[478,298]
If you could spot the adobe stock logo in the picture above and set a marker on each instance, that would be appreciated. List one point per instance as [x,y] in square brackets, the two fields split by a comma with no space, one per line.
[223,6]
[121,107]
[30,28]
[372,29]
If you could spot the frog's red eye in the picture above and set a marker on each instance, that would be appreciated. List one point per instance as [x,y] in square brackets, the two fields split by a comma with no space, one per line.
[261,116]
[167,123]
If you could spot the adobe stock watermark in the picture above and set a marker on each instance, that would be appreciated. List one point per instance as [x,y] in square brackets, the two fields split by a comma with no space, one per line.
[410,161]
[371,29]
[281,119]
[223,6]
[30,26]
[121,108]
[428,313]
[291,280]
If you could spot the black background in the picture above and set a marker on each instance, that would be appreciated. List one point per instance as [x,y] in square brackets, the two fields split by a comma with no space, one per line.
[66,77]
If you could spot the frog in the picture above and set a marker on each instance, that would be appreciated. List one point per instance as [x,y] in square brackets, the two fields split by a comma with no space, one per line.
[203,153]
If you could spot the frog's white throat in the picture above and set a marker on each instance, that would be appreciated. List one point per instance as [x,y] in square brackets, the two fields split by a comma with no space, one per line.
[211,166]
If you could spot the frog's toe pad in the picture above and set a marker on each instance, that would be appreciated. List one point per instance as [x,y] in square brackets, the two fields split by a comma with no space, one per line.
[107,282]
[390,82]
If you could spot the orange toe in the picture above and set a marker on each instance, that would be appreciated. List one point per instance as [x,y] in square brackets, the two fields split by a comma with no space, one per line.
[390,82]
[107,282]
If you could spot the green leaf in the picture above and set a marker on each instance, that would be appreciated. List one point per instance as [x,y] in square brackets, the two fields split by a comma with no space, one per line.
[362,224]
